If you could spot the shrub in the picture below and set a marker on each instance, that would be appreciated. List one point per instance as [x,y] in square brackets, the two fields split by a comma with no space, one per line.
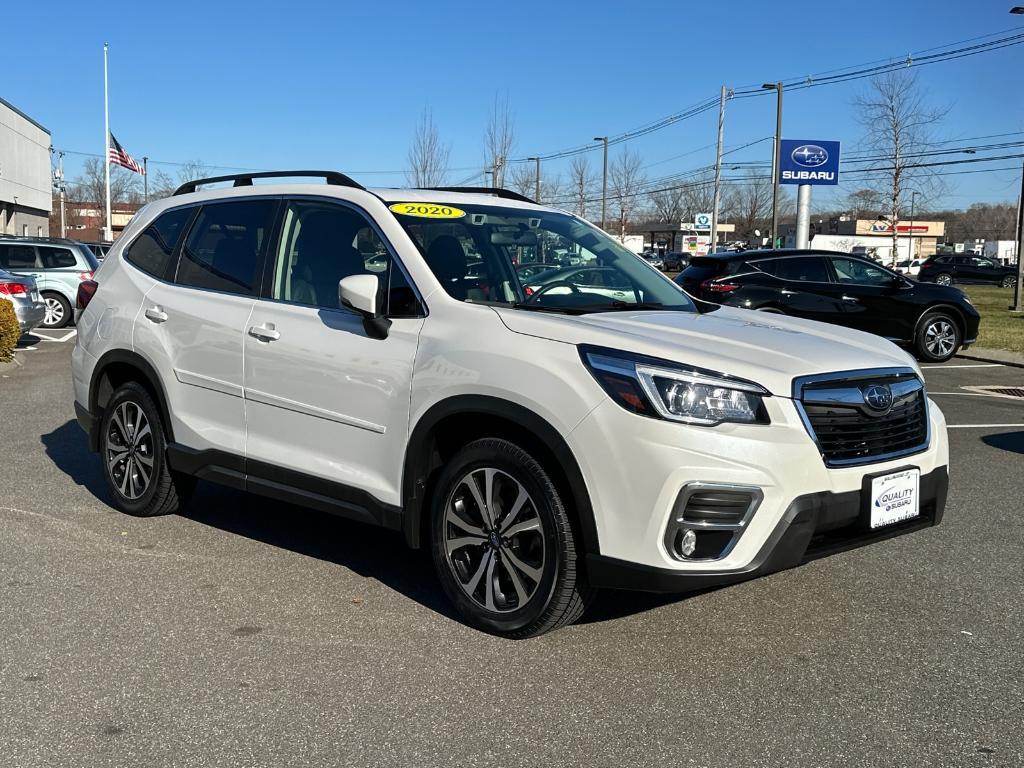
[10,331]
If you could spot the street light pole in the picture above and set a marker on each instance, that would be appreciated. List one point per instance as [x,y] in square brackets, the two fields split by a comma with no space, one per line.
[1018,293]
[776,159]
[536,194]
[604,183]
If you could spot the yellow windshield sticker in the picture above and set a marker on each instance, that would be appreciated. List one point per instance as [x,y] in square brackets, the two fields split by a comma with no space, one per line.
[427,210]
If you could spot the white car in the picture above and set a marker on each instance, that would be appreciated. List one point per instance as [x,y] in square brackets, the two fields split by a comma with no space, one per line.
[539,445]
[910,267]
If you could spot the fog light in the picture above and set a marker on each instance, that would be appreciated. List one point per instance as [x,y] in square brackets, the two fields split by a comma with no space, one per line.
[688,543]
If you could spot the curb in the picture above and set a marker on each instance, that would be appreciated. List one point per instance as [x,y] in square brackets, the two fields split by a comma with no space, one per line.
[1002,357]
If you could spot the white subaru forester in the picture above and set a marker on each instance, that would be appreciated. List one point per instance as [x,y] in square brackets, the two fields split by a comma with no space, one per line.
[500,381]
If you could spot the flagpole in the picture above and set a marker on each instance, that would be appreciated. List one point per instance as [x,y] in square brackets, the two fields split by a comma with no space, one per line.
[107,233]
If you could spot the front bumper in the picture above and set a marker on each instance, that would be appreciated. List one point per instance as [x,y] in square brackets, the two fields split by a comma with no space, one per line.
[814,525]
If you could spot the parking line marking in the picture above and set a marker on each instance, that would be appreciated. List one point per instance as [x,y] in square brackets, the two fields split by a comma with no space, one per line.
[968,365]
[980,426]
[66,337]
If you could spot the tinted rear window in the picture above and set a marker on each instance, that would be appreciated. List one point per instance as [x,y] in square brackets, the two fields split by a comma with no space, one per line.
[151,251]
[57,258]
[17,257]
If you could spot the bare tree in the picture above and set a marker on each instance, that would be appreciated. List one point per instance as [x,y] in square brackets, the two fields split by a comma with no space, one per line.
[699,195]
[523,179]
[163,184]
[553,189]
[90,185]
[499,139]
[428,155]
[668,204]
[749,205]
[899,126]
[581,181]
[627,179]
[865,202]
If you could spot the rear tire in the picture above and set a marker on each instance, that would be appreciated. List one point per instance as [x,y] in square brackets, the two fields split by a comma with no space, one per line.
[1008,282]
[944,278]
[938,338]
[133,449]
[58,310]
[505,551]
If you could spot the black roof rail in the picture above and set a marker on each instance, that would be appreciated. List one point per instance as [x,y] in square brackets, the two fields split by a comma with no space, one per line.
[245,179]
[508,194]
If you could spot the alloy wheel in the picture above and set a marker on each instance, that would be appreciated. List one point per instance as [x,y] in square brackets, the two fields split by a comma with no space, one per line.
[940,338]
[494,540]
[129,450]
[944,280]
[54,312]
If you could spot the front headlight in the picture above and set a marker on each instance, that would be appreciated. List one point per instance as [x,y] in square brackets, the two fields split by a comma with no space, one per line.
[665,390]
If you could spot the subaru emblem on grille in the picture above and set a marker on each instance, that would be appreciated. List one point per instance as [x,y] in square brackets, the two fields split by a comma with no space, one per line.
[877,397]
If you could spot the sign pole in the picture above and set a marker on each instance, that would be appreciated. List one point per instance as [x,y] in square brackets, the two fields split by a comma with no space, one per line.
[803,216]
[1018,291]
[108,234]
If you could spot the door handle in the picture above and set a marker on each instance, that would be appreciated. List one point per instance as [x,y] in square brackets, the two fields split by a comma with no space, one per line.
[264,332]
[156,314]
[852,299]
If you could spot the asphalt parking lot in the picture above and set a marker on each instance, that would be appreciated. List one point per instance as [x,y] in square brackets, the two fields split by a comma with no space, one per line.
[247,632]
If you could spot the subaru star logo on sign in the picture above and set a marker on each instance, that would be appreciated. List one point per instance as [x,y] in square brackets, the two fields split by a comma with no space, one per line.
[809,162]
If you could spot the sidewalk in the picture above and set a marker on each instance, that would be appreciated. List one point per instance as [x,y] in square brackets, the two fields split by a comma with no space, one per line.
[992,356]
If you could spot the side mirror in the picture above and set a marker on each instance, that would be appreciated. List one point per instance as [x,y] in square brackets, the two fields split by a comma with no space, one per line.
[359,292]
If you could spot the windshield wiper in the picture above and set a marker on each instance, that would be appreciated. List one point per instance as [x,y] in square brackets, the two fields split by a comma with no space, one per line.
[615,306]
[545,308]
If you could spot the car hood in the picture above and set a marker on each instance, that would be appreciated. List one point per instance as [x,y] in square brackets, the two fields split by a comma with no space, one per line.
[768,349]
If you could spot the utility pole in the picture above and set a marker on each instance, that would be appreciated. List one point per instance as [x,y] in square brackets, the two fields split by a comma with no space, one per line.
[536,179]
[60,192]
[145,179]
[604,183]
[776,159]
[718,170]
[1018,292]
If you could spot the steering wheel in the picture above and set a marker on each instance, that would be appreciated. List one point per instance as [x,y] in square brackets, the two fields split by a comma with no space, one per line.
[541,291]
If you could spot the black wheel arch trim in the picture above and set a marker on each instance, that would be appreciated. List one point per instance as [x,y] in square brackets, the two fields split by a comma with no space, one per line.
[145,369]
[417,466]
[952,309]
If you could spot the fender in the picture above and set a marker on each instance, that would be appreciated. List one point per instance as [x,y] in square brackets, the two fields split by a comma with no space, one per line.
[418,460]
[148,375]
[951,309]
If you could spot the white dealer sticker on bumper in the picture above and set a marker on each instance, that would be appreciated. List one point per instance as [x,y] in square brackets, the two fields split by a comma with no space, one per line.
[895,497]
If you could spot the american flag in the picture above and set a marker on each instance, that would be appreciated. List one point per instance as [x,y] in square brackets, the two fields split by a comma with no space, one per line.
[117,154]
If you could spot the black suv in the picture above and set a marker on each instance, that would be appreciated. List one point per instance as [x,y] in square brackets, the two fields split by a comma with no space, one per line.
[934,320]
[946,270]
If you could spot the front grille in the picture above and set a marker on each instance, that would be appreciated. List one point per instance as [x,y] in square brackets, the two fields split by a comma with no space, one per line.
[849,431]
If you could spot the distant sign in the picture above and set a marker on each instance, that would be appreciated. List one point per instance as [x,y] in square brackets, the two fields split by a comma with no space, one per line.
[686,226]
[702,222]
[809,162]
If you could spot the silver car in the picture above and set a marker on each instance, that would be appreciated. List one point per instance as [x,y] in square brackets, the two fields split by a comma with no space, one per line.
[22,292]
[57,265]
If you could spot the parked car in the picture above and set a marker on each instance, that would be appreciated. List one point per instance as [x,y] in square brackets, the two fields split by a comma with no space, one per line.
[946,270]
[935,321]
[653,259]
[598,280]
[909,266]
[22,292]
[675,261]
[538,445]
[99,250]
[58,266]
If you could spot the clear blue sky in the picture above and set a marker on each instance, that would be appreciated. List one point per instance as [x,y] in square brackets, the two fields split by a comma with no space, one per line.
[341,85]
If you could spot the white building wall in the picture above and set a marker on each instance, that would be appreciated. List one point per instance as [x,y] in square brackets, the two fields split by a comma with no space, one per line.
[24,171]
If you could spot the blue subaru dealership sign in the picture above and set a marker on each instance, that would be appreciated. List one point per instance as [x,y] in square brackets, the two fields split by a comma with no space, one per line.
[808,162]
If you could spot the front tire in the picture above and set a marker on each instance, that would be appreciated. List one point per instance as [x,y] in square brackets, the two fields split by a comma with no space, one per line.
[502,542]
[1008,282]
[58,310]
[938,338]
[133,449]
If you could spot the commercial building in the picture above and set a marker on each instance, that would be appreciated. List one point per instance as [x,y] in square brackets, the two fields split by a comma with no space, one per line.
[25,199]
[915,239]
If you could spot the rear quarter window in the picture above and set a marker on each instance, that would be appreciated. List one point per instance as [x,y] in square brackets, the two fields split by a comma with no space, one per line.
[57,258]
[151,251]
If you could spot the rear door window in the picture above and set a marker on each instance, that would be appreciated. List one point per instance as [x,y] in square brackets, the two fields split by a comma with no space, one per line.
[805,269]
[860,272]
[17,257]
[57,258]
[223,249]
[151,251]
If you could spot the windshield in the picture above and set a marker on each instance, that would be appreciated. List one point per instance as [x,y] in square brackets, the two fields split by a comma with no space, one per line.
[529,259]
